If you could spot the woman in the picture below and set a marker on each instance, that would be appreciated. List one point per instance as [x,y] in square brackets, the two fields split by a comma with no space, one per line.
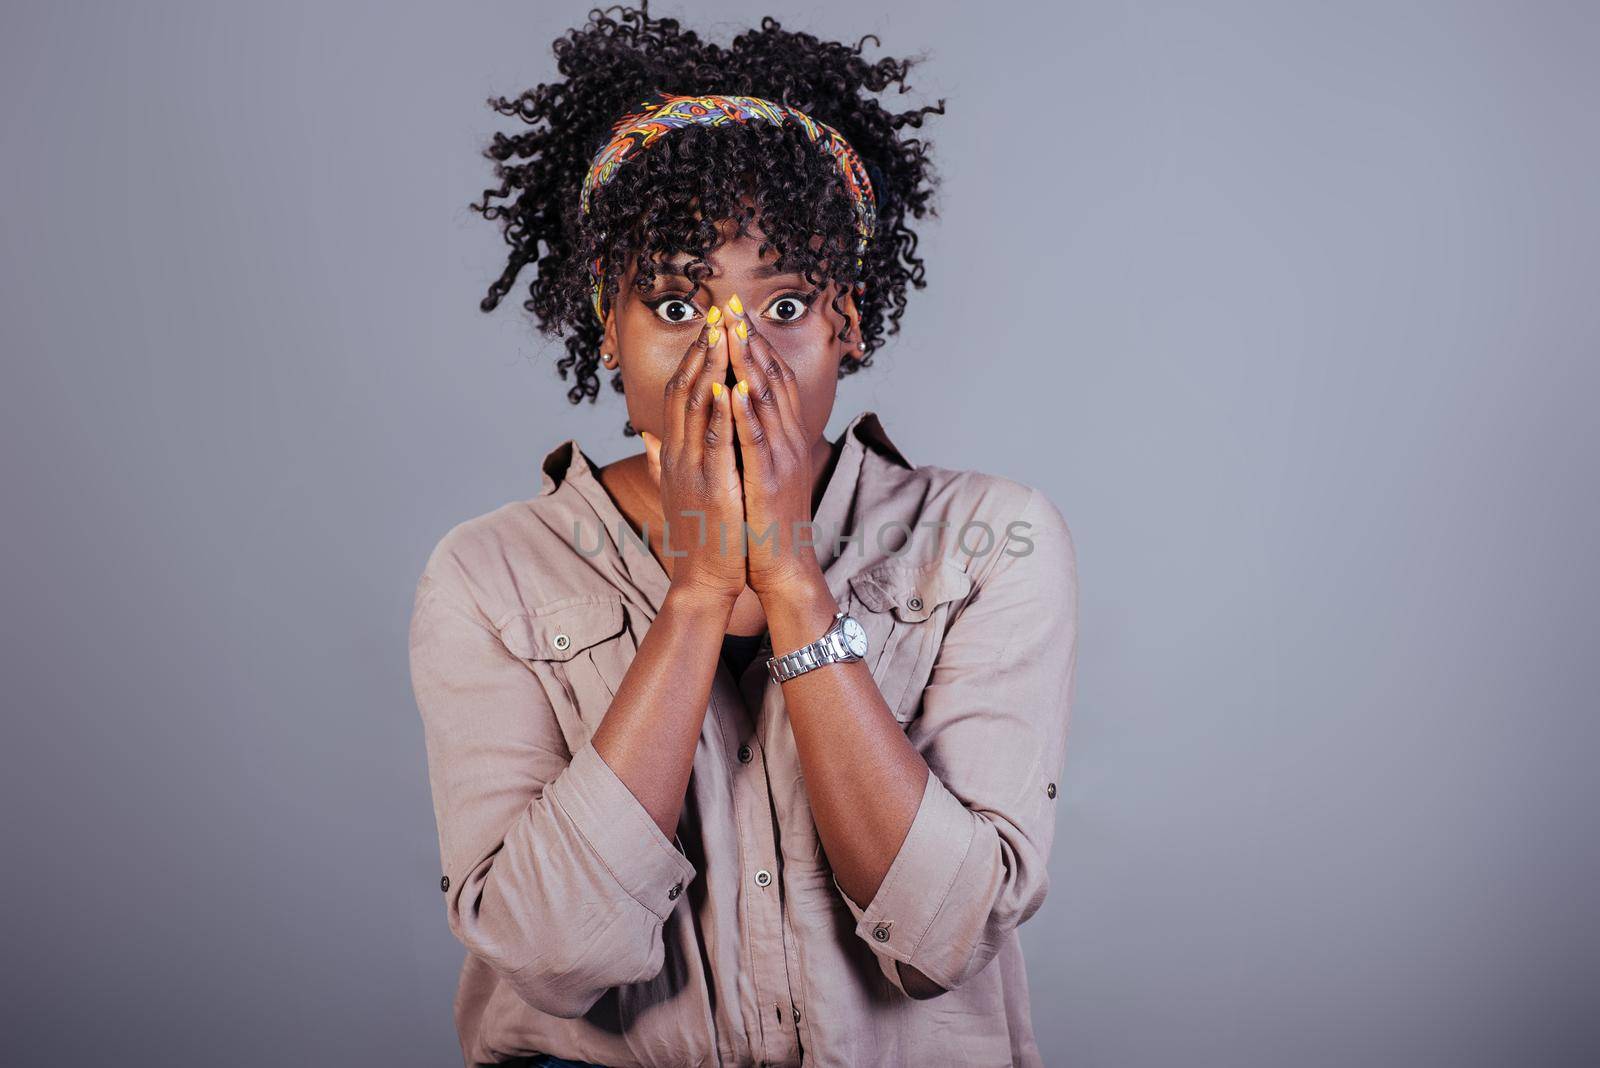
[744,748]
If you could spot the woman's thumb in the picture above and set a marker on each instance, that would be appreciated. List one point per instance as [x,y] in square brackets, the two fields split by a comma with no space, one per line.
[652,448]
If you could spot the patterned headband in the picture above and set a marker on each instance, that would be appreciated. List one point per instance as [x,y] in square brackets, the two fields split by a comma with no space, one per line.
[661,113]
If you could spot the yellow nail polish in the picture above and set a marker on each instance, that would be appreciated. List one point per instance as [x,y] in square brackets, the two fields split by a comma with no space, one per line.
[713,336]
[743,387]
[734,305]
[714,316]
[716,389]
[742,330]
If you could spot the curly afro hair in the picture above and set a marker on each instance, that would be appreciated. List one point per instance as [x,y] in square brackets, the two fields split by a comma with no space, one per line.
[668,200]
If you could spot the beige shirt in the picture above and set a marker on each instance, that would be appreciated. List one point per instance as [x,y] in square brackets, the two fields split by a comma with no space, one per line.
[593,936]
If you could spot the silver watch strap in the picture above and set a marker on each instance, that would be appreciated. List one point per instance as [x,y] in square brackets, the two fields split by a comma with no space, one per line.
[825,650]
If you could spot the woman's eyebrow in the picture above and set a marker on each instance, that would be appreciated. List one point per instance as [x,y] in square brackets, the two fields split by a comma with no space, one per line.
[766,270]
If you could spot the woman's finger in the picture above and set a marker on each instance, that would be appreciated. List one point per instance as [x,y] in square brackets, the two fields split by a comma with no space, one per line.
[784,373]
[680,386]
[652,452]
[752,438]
[721,467]
[780,376]
[764,390]
[697,406]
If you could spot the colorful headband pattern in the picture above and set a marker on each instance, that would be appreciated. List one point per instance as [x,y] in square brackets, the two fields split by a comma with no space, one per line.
[661,113]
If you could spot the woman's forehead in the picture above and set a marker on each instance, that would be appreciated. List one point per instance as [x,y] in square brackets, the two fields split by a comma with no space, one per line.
[739,257]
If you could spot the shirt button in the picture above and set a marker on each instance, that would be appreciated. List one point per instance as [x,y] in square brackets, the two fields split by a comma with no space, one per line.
[914,604]
[796,1015]
[677,889]
[562,641]
[881,932]
[745,754]
[763,877]
[1050,791]
[444,883]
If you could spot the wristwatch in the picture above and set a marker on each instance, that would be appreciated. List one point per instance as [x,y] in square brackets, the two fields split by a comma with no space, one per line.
[844,641]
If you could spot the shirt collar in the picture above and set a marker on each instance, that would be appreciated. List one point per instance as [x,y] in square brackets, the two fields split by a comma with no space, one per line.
[864,431]
[868,428]
[862,437]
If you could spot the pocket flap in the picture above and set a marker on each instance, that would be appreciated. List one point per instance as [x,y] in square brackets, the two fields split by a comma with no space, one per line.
[911,590]
[562,629]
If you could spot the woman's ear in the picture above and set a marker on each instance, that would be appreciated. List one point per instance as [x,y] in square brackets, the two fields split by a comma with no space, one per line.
[853,348]
[609,356]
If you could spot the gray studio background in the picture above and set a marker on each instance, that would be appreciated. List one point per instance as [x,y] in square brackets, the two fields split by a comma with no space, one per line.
[1291,309]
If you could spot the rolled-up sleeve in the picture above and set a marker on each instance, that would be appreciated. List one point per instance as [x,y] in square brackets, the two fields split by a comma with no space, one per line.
[993,728]
[554,873]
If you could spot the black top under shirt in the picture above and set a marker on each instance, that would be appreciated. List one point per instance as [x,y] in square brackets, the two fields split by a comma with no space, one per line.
[739,649]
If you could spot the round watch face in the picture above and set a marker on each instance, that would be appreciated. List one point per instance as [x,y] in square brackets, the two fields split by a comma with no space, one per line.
[855,638]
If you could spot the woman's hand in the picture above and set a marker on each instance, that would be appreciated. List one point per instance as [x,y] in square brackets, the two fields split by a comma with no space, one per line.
[775,446]
[694,466]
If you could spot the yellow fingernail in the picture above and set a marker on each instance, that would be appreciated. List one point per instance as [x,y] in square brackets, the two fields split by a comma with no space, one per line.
[742,330]
[734,305]
[743,387]
[713,335]
[714,316]
[716,389]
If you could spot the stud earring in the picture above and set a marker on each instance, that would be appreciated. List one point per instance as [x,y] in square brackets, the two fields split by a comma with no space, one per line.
[609,360]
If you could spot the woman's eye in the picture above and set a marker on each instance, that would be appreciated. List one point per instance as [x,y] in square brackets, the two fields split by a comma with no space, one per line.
[674,310]
[787,309]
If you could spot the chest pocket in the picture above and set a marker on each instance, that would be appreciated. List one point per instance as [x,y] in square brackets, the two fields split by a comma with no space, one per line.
[904,607]
[575,646]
